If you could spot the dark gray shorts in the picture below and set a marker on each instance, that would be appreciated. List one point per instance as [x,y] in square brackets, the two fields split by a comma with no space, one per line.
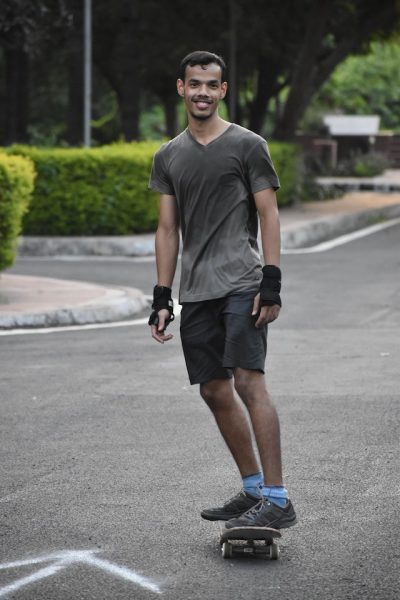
[220,335]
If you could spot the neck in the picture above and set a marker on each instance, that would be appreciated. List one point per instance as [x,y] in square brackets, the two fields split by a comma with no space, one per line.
[206,130]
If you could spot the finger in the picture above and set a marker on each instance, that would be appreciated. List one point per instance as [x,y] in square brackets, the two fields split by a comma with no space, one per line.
[266,316]
[256,305]
[156,335]
[159,336]
[262,318]
[161,322]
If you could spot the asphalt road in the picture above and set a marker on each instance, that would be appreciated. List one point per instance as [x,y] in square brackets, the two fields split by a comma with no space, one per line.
[106,447]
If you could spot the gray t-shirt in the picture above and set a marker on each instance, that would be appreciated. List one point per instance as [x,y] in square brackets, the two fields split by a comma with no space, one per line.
[214,187]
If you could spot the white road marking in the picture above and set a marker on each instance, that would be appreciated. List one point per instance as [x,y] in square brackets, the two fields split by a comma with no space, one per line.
[343,239]
[41,574]
[323,247]
[61,560]
[44,330]
[67,328]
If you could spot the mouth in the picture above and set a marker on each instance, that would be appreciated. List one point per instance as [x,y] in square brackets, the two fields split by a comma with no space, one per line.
[202,104]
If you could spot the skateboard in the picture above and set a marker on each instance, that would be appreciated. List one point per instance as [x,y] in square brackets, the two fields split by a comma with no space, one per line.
[249,541]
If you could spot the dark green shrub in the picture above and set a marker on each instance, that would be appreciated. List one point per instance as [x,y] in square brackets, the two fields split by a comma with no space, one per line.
[371,164]
[287,161]
[104,191]
[16,184]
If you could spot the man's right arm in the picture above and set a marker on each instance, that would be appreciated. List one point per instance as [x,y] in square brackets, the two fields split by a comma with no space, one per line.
[167,249]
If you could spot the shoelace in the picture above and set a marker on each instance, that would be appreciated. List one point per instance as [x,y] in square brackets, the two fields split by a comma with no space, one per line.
[253,512]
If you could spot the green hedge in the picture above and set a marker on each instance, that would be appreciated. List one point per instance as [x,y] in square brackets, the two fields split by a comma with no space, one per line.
[98,191]
[287,161]
[104,191]
[17,176]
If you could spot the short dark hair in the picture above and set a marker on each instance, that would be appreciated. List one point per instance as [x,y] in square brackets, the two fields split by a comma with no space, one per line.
[201,57]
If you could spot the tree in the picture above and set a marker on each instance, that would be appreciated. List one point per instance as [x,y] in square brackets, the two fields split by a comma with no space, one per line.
[286,51]
[363,85]
[333,31]
[24,28]
[295,46]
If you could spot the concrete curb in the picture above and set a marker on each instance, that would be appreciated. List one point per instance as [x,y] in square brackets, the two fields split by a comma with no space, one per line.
[293,236]
[87,246]
[325,229]
[111,304]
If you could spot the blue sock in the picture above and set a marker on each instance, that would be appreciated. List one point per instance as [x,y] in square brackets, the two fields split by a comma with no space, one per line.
[276,494]
[252,484]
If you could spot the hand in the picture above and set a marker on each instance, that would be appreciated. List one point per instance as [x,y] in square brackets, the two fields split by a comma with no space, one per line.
[267,313]
[157,331]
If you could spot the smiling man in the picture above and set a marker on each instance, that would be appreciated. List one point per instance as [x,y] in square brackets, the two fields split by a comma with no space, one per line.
[215,179]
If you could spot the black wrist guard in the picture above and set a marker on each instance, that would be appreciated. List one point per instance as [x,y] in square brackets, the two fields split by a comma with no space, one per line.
[270,286]
[161,299]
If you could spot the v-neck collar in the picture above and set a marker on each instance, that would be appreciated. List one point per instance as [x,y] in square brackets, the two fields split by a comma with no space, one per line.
[212,141]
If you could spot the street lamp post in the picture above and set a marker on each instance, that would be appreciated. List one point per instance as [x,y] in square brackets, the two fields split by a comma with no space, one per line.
[87,72]
[232,61]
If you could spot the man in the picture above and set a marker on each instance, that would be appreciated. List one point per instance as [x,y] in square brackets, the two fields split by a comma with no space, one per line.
[213,180]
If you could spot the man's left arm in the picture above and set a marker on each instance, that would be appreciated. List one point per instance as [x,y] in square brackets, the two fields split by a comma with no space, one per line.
[268,302]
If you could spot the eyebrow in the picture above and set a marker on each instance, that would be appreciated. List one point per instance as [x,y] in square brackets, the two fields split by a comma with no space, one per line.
[193,80]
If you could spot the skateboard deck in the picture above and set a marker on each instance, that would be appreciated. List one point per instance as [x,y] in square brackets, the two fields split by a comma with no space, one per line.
[247,541]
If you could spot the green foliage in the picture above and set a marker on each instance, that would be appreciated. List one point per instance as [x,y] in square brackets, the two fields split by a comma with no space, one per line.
[287,162]
[104,191]
[16,184]
[371,164]
[98,191]
[362,85]
[363,165]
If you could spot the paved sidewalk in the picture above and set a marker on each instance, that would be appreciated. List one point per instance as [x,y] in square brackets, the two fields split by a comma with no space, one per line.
[39,302]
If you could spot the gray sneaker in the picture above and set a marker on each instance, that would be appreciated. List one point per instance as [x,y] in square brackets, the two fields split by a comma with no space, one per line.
[235,507]
[266,514]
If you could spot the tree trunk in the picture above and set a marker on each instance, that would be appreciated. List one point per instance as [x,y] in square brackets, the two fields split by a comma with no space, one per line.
[16,96]
[129,106]
[302,87]
[171,115]
[266,85]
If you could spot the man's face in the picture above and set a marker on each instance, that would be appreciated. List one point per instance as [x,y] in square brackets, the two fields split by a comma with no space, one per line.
[202,90]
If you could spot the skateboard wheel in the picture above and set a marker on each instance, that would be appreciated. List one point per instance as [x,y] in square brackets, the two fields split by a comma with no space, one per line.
[227,550]
[274,551]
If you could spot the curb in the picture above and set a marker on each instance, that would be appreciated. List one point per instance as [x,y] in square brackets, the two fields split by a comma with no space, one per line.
[293,236]
[322,230]
[87,246]
[112,304]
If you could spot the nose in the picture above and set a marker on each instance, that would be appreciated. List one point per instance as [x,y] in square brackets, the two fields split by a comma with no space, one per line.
[203,90]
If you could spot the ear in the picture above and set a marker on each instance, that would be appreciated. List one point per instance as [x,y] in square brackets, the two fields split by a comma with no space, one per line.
[224,89]
[180,86]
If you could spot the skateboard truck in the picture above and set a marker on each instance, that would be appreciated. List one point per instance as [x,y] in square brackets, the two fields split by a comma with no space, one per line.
[258,541]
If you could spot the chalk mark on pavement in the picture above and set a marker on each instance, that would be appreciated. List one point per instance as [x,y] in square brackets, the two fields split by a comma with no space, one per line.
[62,560]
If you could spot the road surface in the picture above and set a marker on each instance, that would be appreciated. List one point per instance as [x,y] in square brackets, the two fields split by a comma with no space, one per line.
[106,447]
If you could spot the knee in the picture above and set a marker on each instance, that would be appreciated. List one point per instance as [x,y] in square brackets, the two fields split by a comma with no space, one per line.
[216,395]
[250,385]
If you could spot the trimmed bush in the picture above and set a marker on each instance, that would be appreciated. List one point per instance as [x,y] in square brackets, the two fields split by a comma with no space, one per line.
[17,175]
[104,191]
[98,191]
[287,161]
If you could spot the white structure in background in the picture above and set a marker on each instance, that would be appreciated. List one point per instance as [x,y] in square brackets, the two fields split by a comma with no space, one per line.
[352,125]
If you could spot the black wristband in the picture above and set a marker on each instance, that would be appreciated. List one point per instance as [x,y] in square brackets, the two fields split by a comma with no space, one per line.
[162,299]
[270,286]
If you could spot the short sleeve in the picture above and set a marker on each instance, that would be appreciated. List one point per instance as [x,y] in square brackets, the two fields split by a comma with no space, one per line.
[159,178]
[260,169]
